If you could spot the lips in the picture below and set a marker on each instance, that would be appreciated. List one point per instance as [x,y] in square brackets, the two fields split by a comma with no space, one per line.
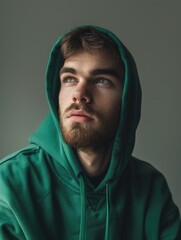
[79,116]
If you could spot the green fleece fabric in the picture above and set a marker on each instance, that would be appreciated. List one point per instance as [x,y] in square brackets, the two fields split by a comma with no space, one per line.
[45,194]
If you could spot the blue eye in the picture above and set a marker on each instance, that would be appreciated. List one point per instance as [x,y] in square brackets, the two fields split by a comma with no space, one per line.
[69,80]
[101,81]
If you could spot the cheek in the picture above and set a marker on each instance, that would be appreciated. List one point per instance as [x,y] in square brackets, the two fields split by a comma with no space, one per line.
[112,102]
[63,99]
[113,108]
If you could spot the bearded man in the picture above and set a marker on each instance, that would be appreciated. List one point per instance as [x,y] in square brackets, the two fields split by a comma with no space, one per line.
[78,179]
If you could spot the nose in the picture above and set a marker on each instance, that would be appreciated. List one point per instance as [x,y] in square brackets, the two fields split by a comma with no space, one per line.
[82,93]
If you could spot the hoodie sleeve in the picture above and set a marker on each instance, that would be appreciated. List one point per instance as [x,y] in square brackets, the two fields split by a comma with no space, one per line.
[9,227]
[164,221]
[170,225]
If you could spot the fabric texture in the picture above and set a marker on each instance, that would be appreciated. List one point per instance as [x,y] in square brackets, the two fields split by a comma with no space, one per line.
[45,193]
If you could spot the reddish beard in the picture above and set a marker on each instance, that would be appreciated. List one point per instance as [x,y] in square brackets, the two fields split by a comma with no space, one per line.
[86,135]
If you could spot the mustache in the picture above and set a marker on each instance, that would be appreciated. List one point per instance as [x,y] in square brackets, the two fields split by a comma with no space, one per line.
[80,106]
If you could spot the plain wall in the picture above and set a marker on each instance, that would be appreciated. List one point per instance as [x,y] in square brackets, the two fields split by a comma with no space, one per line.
[152,32]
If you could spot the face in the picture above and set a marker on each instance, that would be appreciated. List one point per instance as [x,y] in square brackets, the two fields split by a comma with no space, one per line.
[90,99]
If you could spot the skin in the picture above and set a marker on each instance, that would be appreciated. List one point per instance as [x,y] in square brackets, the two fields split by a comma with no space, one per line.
[91,82]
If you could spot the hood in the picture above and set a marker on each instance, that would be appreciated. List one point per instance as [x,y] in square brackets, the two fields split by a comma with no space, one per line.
[49,136]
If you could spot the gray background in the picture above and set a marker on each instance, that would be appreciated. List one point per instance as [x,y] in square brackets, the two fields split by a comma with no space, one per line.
[152,32]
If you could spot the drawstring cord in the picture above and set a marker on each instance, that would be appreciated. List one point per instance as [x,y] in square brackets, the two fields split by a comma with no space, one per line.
[83,210]
[107,211]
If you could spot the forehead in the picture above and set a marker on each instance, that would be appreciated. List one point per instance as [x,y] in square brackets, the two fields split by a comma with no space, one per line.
[100,58]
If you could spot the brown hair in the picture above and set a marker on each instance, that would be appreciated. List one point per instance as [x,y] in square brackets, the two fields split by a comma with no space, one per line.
[89,39]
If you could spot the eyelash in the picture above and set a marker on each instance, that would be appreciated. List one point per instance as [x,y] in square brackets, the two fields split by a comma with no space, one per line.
[96,81]
[65,80]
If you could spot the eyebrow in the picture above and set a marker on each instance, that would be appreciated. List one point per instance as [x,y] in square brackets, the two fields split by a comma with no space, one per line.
[107,71]
[67,70]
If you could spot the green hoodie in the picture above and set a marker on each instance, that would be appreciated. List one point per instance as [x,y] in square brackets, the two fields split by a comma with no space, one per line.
[45,194]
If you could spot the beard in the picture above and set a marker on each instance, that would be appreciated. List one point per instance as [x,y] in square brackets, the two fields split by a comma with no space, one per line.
[86,135]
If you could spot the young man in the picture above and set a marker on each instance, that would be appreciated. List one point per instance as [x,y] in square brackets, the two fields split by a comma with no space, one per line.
[78,179]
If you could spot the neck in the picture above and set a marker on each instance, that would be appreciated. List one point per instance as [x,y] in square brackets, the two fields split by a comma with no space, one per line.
[94,161]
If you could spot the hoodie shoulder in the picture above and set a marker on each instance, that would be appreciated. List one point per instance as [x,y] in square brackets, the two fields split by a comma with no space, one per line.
[144,169]
[146,180]
[150,185]
[151,190]
[27,150]
[14,166]
[18,158]
[24,173]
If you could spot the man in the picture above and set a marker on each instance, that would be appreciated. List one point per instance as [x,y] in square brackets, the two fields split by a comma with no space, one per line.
[78,179]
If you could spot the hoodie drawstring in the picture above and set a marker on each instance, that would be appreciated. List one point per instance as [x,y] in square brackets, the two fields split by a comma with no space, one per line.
[107,211]
[83,209]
